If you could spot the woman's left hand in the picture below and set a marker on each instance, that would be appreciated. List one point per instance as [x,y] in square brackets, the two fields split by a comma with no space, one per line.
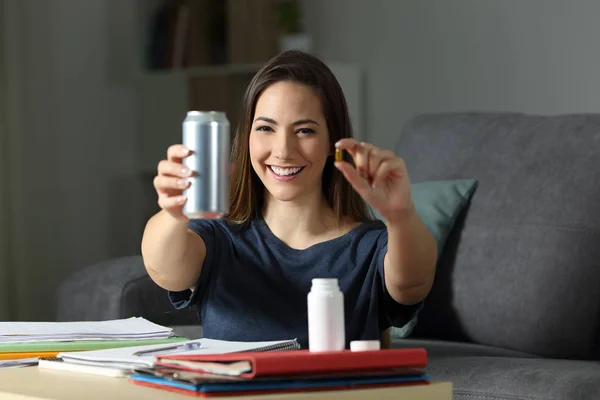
[380,178]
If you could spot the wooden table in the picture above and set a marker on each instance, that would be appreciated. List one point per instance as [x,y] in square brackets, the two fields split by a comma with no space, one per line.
[32,383]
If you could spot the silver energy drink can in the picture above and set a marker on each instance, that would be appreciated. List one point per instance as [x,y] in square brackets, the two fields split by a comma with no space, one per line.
[207,134]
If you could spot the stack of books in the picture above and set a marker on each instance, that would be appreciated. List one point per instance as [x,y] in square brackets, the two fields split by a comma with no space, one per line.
[255,372]
[23,343]
[208,367]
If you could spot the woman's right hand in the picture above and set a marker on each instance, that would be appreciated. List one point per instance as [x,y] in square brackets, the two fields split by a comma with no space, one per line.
[172,180]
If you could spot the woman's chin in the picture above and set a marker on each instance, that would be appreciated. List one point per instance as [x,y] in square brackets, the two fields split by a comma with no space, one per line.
[287,194]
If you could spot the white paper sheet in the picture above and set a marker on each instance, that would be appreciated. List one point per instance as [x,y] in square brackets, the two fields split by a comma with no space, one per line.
[130,328]
[74,338]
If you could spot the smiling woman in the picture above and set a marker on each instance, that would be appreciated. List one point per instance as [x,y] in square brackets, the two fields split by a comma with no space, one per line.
[289,149]
[294,112]
[296,214]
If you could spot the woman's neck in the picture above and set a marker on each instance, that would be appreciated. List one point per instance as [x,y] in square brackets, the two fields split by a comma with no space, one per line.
[301,224]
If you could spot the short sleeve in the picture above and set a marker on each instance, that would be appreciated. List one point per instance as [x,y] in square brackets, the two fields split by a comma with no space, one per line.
[396,314]
[206,230]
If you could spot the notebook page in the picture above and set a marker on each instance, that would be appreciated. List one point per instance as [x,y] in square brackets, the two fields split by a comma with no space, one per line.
[39,339]
[126,355]
[210,346]
[122,327]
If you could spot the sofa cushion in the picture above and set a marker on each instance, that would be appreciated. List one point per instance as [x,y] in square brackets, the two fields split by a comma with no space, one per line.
[114,289]
[439,203]
[521,269]
[506,378]
[440,348]
[188,331]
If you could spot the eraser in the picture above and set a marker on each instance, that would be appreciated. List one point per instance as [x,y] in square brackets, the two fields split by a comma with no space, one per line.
[365,345]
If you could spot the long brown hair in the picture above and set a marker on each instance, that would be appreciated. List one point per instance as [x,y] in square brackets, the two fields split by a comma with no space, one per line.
[247,191]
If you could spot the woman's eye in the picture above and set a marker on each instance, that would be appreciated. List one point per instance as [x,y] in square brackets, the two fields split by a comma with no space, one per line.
[264,128]
[306,131]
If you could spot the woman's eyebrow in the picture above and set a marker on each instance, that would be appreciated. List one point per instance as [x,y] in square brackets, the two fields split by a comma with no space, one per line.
[266,119]
[305,121]
[299,122]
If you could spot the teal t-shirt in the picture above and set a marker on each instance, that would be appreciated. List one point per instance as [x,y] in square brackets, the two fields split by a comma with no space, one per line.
[253,286]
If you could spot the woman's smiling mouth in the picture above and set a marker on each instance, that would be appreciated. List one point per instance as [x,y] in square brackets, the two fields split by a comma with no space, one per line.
[284,173]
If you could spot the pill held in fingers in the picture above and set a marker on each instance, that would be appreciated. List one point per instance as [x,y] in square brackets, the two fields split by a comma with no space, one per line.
[338,155]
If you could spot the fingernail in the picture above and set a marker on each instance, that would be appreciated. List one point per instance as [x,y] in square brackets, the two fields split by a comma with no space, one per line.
[181,200]
[185,152]
[185,171]
[182,182]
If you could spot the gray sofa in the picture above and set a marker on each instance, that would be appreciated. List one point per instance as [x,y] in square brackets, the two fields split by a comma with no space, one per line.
[515,308]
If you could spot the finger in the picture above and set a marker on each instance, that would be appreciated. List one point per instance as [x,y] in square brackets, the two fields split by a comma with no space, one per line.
[360,184]
[376,157]
[165,183]
[177,152]
[347,144]
[361,159]
[173,169]
[361,153]
[170,203]
[391,168]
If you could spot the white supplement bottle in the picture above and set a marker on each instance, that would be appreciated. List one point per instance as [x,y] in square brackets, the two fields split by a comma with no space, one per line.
[326,325]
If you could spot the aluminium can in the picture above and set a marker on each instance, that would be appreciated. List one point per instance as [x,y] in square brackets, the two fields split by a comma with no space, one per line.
[207,135]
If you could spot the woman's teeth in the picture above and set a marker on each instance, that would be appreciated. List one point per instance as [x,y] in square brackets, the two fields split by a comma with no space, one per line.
[285,171]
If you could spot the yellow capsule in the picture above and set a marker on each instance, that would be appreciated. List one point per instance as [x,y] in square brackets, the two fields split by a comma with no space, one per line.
[338,155]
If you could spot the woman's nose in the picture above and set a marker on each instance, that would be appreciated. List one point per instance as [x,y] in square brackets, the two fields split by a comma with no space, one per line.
[284,145]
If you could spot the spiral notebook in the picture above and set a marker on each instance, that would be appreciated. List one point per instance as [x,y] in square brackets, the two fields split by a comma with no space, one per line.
[126,357]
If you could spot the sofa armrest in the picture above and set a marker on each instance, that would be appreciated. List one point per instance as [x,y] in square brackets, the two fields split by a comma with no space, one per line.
[114,289]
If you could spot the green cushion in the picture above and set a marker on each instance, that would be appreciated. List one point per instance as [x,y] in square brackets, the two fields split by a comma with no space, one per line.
[438,203]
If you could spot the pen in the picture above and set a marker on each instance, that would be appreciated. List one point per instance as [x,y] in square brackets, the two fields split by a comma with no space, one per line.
[186,346]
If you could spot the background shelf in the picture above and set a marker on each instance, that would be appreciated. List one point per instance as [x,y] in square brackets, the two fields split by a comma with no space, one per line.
[201,54]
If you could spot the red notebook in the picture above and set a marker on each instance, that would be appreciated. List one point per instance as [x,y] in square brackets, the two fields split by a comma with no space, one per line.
[303,362]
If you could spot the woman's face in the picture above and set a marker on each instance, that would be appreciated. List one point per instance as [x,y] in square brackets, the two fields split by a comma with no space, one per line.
[289,141]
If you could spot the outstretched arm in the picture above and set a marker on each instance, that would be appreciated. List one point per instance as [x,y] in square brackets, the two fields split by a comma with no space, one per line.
[381,178]
[411,258]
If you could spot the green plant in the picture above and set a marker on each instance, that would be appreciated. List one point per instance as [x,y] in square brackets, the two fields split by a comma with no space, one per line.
[289,16]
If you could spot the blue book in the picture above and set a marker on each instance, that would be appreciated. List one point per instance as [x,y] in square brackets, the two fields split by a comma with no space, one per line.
[248,386]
